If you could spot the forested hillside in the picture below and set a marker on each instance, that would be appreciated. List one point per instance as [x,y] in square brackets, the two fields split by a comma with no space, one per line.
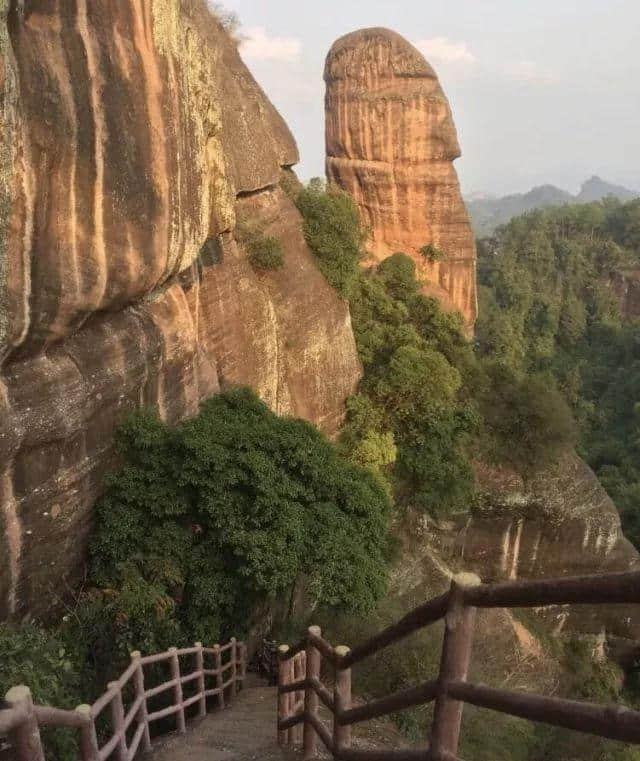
[548,307]
[488,213]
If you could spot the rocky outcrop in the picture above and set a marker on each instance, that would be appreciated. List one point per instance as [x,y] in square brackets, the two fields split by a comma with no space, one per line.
[391,143]
[559,523]
[626,287]
[133,137]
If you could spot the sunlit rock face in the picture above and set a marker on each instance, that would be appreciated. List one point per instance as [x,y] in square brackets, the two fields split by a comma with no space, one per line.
[132,138]
[391,143]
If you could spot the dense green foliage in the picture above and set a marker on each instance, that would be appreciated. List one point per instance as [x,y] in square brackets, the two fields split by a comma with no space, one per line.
[432,253]
[266,253]
[332,230]
[403,338]
[424,396]
[548,307]
[42,661]
[411,432]
[206,520]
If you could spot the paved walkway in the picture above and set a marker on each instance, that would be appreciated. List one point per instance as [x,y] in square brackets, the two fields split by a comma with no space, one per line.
[245,731]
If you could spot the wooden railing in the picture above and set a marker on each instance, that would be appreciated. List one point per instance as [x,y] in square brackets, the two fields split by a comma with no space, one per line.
[22,720]
[300,689]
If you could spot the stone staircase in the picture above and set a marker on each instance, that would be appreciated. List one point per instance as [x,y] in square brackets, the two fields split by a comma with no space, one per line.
[245,731]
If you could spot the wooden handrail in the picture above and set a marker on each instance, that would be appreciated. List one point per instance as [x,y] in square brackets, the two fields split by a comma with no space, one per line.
[21,721]
[450,690]
[323,693]
[414,696]
[576,590]
[613,722]
[422,616]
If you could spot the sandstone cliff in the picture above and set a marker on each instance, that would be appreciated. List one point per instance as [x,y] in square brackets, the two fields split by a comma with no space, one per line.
[132,138]
[559,523]
[391,143]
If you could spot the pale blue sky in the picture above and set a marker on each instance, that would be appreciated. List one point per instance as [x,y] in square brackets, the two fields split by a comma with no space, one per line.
[541,90]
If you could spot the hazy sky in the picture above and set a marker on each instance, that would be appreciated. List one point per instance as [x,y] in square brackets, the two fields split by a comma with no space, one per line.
[541,90]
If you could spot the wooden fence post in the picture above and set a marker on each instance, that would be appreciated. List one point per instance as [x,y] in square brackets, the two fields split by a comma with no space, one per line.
[299,668]
[117,721]
[243,664]
[89,750]
[138,681]
[234,667]
[342,702]
[174,663]
[454,665]
[217,664]
[202,703]
[283,698]
[26,736]
[310,695]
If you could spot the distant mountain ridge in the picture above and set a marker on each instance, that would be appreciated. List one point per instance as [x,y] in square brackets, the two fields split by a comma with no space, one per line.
[488,212]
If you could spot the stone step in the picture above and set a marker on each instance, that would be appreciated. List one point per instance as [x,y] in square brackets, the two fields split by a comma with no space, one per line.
[245,731]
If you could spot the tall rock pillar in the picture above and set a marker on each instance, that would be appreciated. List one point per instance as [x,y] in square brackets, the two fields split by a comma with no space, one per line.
[391,143]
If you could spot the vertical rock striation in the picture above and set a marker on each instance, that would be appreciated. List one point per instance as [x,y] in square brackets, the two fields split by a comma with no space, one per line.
[132,138]
[391,143]
[560,522]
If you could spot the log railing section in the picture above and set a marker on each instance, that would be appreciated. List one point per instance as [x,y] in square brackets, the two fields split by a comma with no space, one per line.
[22,720]
[450,690]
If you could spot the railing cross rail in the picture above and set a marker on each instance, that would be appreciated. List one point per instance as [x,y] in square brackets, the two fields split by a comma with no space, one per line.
[450,690]
[21,721]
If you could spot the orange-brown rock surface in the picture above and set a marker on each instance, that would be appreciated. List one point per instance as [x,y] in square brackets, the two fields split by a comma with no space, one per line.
[391,143]
[132,138]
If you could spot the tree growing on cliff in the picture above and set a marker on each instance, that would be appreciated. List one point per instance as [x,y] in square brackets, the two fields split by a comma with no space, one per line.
[432,253]
[333,232]
[266,253]
[228,510]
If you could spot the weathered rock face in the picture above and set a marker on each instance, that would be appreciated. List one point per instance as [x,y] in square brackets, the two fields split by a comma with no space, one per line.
[132,138]
[391,143]
[626,286]
[561,523]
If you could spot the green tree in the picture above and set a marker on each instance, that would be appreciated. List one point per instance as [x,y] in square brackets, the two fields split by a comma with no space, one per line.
[266,253]
[206,520]
[333,232]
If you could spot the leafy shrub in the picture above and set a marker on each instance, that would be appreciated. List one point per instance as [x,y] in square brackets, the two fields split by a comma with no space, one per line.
[411,353]
[290,183]
[585,677]
[526,419]
[408,422]
[207,520]
[333,232]
[266,253]
[41,660]
[398,274]
[432,253]
[228,18]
